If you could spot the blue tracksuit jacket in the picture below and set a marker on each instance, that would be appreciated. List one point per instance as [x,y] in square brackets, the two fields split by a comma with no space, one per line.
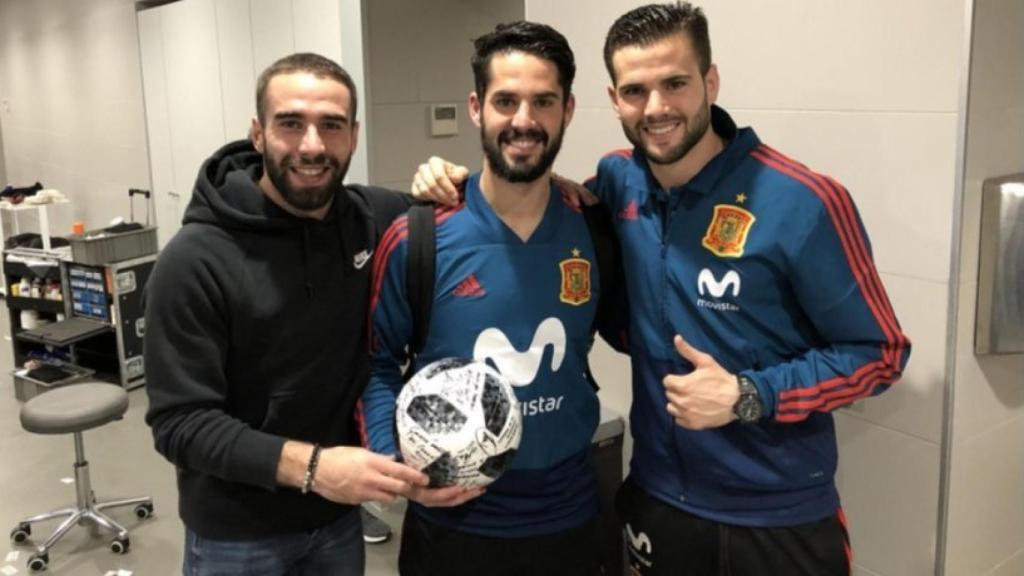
[764,265]
[528,309]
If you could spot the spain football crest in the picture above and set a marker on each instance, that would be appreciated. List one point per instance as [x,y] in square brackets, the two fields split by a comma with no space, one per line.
[727,233]
[575,279]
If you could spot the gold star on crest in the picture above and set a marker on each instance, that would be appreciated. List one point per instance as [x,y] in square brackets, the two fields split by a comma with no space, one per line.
[741,198]
[575,252]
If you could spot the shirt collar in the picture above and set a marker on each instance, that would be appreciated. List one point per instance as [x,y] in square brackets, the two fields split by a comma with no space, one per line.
[738,143]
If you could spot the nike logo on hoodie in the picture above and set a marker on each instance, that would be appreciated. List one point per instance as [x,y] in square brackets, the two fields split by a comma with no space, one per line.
[360,260]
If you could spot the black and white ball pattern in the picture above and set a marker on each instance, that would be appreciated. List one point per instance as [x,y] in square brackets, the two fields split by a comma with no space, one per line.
[459,422]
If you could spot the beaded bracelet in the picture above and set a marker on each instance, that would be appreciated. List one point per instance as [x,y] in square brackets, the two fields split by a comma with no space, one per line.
[314,459]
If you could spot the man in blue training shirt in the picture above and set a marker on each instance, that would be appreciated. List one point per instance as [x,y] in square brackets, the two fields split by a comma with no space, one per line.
[756,310]
[504,295]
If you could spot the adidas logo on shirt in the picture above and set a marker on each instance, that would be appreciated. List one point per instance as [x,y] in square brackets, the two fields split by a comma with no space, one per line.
[469,288]
[630,212]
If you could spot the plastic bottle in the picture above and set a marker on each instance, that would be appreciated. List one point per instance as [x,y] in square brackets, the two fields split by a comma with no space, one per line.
[51,290]
[24,287]
[29,319]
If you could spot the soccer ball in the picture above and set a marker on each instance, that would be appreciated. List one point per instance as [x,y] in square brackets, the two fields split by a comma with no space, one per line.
[459,422]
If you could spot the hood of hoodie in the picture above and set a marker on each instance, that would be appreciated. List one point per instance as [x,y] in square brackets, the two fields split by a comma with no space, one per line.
[227,194]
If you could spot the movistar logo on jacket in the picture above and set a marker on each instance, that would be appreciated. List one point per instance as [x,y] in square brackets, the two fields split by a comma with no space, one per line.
[709,285]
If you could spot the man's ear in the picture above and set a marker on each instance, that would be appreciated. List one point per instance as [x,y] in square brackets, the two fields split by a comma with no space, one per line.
[712,83]
[570,108]
[355,135]
[256,134]
[474,108]
[613,96]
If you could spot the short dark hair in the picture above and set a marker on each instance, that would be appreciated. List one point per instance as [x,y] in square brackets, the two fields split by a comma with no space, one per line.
[308,62]
[532,38]
[653,23]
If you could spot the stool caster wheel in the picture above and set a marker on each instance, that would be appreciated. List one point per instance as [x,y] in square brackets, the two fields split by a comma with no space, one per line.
[120,545]
[143,511]
[21,533]
[38,562]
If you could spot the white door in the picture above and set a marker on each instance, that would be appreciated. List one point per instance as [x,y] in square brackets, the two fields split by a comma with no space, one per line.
[200,60]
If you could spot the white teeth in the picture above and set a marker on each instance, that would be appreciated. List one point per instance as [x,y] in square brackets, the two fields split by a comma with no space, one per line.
[309,171]
[662,129]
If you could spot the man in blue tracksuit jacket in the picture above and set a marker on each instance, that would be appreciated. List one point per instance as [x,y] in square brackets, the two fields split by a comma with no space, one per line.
[755,308]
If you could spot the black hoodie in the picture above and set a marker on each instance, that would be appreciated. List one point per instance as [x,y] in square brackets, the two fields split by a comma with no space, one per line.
[256,333]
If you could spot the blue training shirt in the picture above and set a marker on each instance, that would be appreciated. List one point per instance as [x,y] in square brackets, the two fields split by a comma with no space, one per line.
[764,265]
[527,308]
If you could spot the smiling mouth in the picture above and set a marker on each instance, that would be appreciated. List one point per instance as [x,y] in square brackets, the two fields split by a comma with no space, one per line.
[522,142]
[310,171]
[523,145]
[661,128]
[310,175]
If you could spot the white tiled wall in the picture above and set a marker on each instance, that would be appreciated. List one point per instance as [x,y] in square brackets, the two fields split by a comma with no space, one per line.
[898,166]
[1011,567]
[3,168]
[867,92]
[889,488]
[986,504]
[837,55]
[986,500]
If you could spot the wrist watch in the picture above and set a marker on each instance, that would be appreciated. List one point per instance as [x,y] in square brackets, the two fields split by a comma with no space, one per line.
[748,407]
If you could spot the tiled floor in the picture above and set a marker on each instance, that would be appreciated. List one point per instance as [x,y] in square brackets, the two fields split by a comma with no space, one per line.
[33,475]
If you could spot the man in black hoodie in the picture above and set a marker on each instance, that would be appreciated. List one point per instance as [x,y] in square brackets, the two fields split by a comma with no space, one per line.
[255,347]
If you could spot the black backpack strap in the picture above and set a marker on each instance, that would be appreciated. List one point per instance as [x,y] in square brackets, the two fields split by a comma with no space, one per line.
[609,259]
[610,273]
[420,271]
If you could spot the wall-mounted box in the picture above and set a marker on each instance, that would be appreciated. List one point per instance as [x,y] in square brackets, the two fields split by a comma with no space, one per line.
[444,120]
[999,326]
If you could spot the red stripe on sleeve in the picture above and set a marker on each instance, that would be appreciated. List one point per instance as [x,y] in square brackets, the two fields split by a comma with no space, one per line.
[398,230]
[796,404]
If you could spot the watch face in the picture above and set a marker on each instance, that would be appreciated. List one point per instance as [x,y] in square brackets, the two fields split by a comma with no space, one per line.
[748,409]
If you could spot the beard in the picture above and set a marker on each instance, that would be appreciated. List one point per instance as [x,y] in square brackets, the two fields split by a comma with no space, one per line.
[305,198]
[520,171]
[695,130]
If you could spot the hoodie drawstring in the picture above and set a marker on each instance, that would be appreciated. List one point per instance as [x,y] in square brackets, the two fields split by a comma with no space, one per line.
[347,251]
[306,264]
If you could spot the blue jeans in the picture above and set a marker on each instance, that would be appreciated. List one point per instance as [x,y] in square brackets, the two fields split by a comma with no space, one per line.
[335,549]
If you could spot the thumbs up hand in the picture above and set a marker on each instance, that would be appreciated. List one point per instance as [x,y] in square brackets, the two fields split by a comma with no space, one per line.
[703,398]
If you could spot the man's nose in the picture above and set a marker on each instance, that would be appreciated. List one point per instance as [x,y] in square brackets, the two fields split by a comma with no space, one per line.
[523,118]
[656,104]
[311,143]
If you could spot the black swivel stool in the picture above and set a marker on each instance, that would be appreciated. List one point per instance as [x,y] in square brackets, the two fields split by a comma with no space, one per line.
[74,409]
